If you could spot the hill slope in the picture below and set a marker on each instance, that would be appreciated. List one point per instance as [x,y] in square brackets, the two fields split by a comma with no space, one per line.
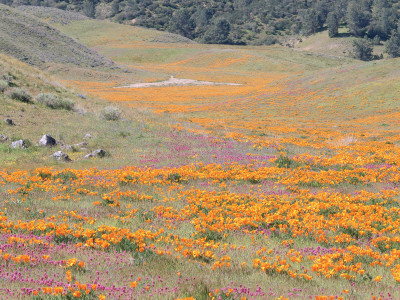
[244,21]
[35,42]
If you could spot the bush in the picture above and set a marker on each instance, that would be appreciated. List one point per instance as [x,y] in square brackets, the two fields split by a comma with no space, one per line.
[20,95]
[54,101]
[362,49]
[111,113]
[3,85]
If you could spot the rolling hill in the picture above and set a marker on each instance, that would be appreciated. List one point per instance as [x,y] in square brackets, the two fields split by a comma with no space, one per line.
[32,41]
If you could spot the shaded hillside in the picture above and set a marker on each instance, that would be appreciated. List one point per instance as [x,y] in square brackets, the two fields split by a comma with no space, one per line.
[254,22]
[35,42]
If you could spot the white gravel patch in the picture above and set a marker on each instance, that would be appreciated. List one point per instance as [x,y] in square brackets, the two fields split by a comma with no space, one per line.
[174,82]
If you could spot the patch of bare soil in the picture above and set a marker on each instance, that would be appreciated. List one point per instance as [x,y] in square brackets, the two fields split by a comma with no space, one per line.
[172,81]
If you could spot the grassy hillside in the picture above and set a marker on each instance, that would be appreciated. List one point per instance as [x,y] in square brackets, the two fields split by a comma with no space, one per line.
[132,134]
[35,42]
[340,46]
[283,186]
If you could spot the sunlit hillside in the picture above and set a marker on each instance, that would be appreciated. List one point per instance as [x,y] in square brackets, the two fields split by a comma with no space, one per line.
[232,172]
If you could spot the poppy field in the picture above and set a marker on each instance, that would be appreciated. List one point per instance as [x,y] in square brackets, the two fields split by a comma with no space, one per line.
[283,187]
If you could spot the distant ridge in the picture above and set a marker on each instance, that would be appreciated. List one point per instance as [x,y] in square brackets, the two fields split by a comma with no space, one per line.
[32,41]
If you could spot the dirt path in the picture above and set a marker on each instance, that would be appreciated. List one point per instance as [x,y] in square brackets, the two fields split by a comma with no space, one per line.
[175,82]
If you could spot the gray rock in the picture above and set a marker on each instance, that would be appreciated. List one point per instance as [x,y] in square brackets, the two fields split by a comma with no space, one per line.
[19,144]
[96,153]
[9,122]
[3,138]
[47,141]
[59,155]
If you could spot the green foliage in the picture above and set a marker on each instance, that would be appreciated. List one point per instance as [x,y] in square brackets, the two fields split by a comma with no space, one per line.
[353,232]
[65,176]
[362,49]
[358,18]
[218,33]
[3,85]
[333,25]
[310,22]
[211,235]
[249,20]
[89,8]
[384,19]
[392,46]
[111,113]
[284,162]
[182,23]
[20,94]
[55,102]
[174,177]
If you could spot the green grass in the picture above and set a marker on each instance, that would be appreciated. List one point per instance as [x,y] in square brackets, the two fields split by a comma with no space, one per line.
[68,127]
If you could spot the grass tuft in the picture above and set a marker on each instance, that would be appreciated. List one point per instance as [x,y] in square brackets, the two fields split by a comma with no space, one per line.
[54,102]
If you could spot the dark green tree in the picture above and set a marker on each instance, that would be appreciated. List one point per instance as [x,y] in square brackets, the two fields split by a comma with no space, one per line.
[115,7]
[383,19]
[362,49]
[218,32]
[201,18]
[310,22]
[182,23]
[358,18]
[89,8]
[392,46]
[322,9]
[333,24]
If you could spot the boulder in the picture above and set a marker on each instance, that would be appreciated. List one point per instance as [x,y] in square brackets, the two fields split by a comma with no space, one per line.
[47,141]
[19,144]
[96,153]
[59,155]
[3,138]
[9,122]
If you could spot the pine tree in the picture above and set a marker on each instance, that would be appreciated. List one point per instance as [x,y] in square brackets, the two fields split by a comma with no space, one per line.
[392,46]
[89,8]
[358,18]
[333,24]
[362,49]
[310,22]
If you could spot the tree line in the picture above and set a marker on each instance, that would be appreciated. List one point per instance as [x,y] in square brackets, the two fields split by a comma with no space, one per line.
[254,22]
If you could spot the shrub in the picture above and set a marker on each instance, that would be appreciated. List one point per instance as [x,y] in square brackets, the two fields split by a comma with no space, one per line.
[362,49]
[111,113]
[3,85]
[54,101]
[20,95]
